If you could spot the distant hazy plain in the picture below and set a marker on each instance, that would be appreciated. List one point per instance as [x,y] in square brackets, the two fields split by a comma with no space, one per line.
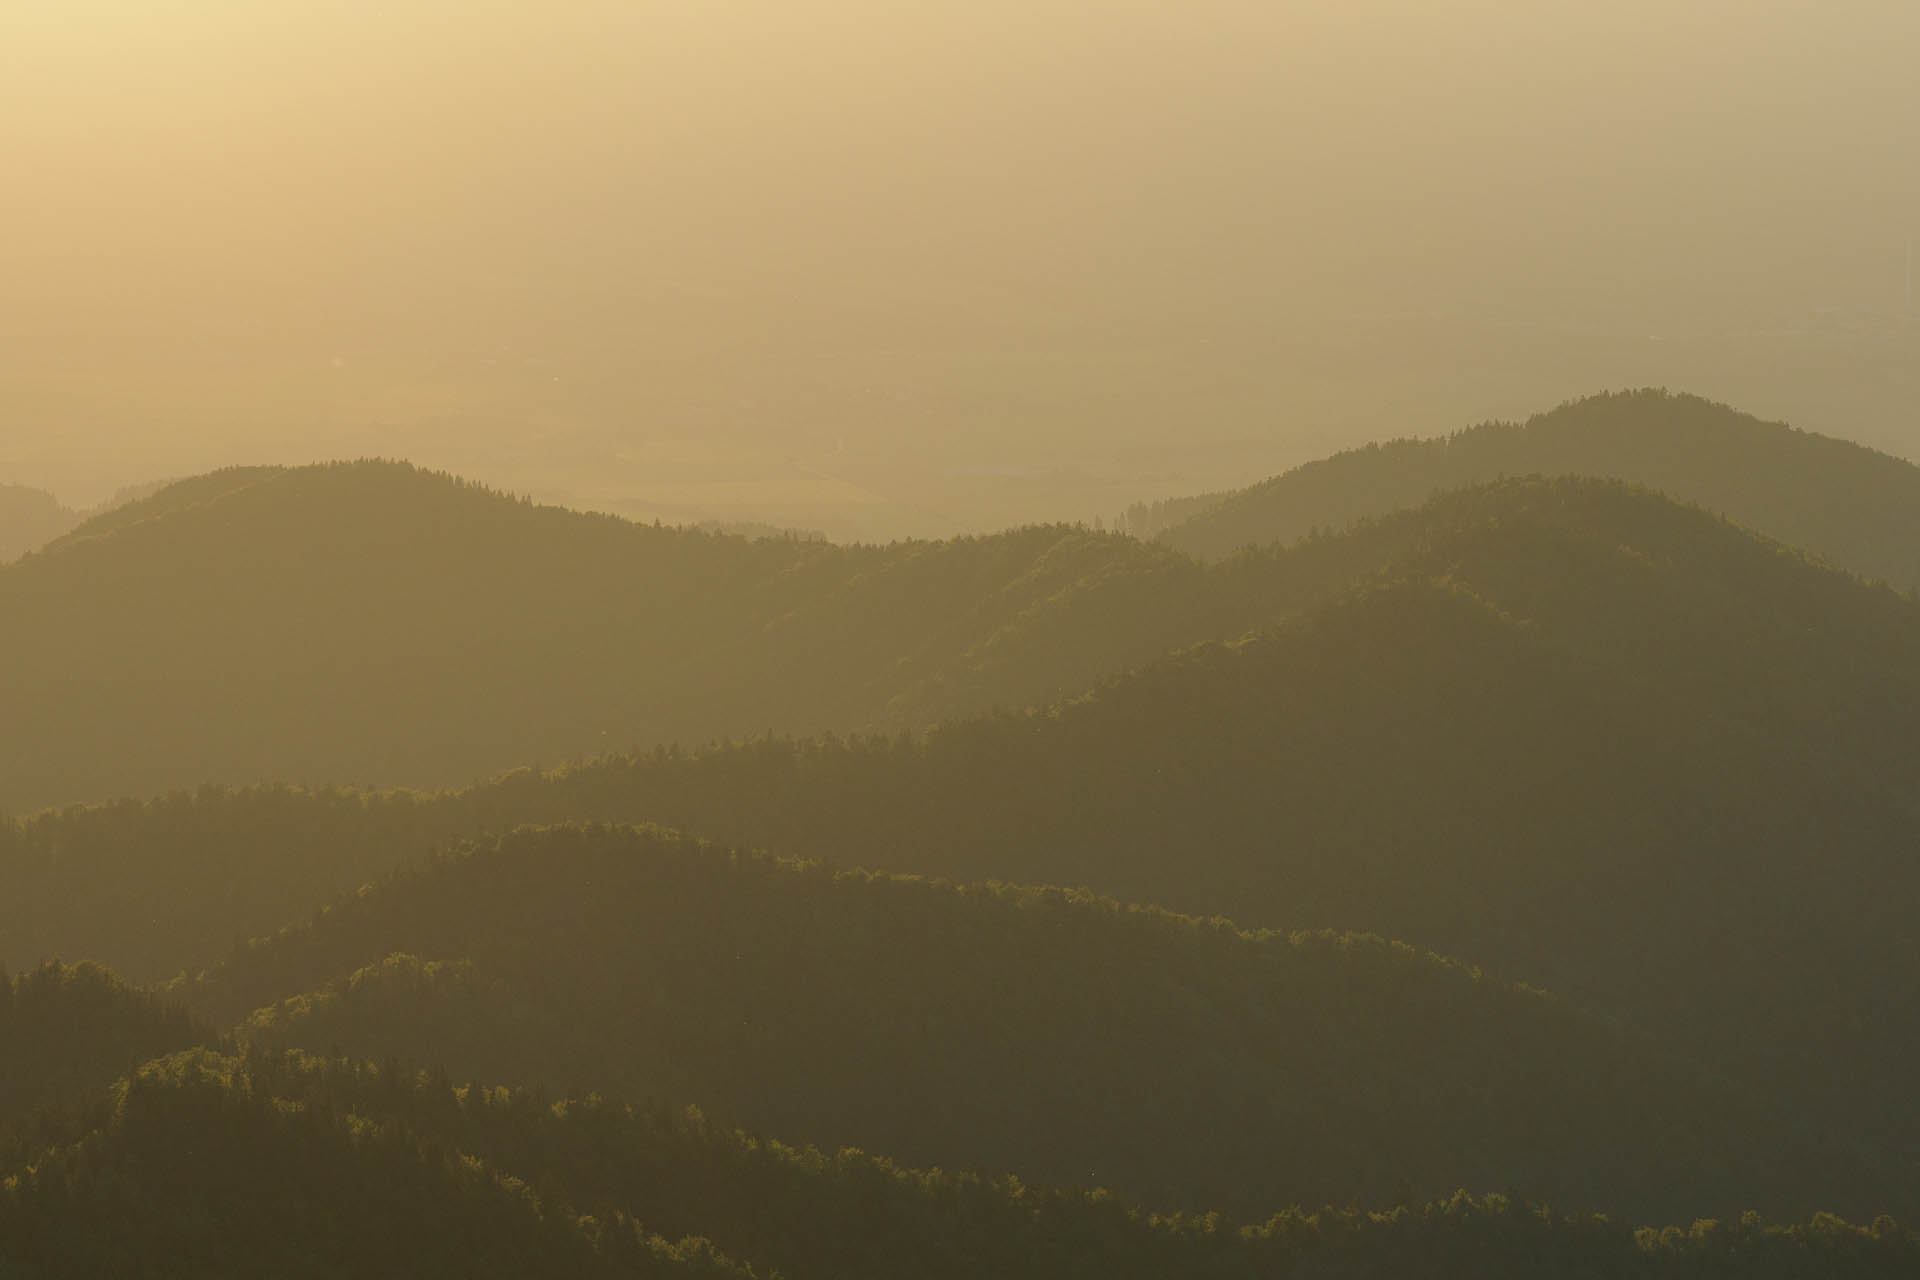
[882,269]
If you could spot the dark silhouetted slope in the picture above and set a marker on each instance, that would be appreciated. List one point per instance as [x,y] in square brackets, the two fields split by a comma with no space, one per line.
[273,1164]
[1056,1035]
[1850,504]
[211,1167]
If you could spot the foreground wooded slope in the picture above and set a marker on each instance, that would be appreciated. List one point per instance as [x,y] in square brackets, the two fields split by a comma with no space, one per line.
[291,1166]
[1059,1036]
[1852,505]
[267,1162]
[66,1033]
[202,1167]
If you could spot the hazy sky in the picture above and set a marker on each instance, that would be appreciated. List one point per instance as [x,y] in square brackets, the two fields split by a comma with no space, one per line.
[211,199]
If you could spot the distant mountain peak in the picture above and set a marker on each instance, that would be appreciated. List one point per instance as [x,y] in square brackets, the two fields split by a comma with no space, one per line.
[1849,504]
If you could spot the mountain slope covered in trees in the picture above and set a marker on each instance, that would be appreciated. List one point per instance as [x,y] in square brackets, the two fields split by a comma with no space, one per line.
[65,1034]
[131,878]
[1056,1035]
[1581,735]
[1589,739]
[1569,729]
[1850,504]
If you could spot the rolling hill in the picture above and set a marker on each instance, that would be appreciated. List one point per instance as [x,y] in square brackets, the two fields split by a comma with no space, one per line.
[1575,732]
[148,889]
[374,623]
[1852,505]
[1587,738]
[1059,1036]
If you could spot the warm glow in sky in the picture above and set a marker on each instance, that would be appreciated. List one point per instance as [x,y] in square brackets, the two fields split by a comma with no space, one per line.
[788,181]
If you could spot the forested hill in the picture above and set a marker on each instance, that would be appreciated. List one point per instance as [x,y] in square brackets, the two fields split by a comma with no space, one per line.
[1852,505]
[374,623]
[246,1166]
[130,879]
[1582,736]
[30,518]
[1590,740]
[1055,1035]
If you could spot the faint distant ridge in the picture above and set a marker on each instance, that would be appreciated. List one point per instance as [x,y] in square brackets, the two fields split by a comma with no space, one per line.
[1151,519]
[32,518]
[761,529]
[1852,505]
[29,518]
[136,503]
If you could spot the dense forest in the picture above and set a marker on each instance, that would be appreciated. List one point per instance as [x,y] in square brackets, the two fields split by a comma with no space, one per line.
[66,1033]
[203,1167]
[1850,504]
[1064,1037]
[288,1165]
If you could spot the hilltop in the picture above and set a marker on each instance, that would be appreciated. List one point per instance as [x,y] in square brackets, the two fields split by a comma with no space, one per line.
[1852,505]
